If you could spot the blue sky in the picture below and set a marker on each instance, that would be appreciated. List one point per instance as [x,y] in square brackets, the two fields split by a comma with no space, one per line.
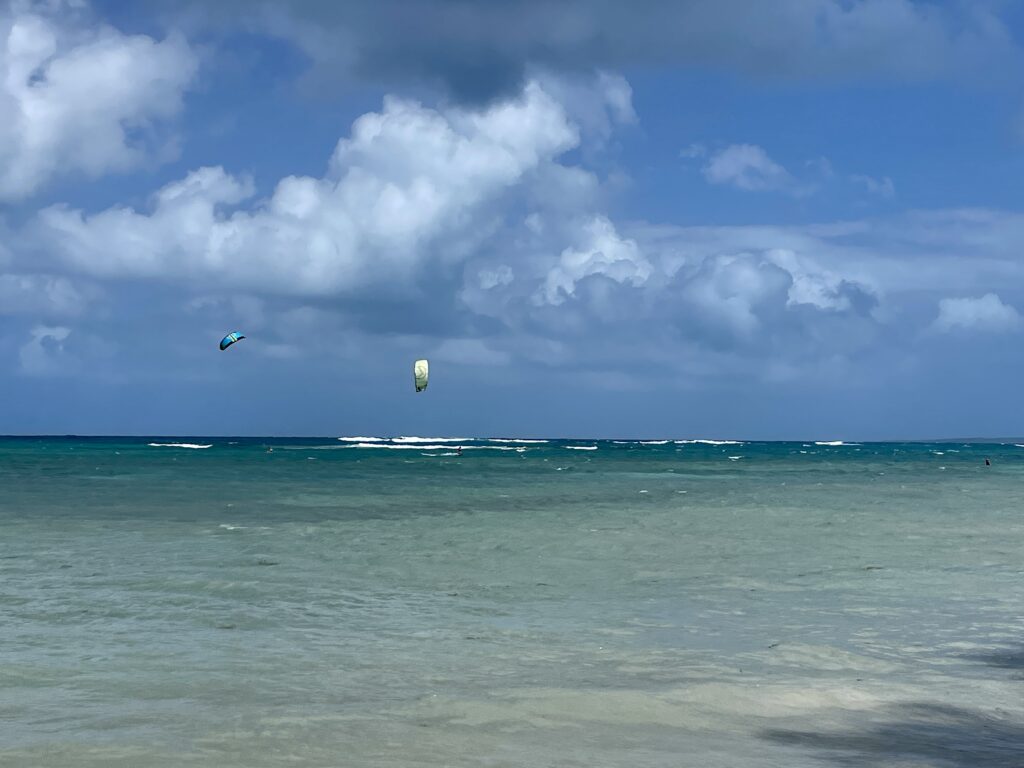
[709,219]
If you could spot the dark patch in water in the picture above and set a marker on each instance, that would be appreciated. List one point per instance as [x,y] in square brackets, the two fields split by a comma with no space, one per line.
[921,733]
[1004,658]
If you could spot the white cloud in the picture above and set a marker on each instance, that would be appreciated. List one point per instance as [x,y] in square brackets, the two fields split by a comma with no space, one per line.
[601,252]
[81,99]
[882,187]
[731,289]
[46,295]
[986,313]
[598,104]
[921,252]
[747,167]
[450,213]
[815,286]
[412,189]
[42,354]
[822,166]
[493,278]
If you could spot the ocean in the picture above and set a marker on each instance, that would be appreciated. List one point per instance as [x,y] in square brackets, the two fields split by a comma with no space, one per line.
[563,603]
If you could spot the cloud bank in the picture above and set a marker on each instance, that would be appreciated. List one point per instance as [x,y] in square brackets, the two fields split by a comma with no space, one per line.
[481,51]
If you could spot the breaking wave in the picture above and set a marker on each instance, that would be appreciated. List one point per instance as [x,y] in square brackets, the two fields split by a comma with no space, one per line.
[709,442]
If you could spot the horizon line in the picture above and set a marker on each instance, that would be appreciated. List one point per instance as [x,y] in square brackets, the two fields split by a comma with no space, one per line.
[69,435]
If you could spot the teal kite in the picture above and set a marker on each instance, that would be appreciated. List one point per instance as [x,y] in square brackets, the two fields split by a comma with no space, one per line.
[230,339]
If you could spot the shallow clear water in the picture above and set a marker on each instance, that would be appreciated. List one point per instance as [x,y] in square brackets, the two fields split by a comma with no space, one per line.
[634,605]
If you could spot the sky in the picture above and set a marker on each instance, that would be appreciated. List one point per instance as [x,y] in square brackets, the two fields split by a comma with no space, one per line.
[692,218]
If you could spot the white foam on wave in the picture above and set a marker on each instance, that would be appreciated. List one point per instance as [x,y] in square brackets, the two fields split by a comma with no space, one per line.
[417,440]
[709,442]
[193,446]
[312,447]
[439,447]
[831,442]
[517,440]
[581,447]
[414,440]
[408,447]
[735,458]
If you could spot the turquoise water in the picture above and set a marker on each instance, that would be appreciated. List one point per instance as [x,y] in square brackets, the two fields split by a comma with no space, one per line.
[523,604]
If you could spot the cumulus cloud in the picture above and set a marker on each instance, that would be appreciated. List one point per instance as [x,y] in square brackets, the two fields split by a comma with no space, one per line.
[735,289]
[882,187]
[411,189]
[440,224]
[479,51]
[40,295]
[985,313]
[822,166]
[42,354]
[492,278]
[748,167]
[598,104]
[601,252]
[821,288]
[657,297]
[81,98]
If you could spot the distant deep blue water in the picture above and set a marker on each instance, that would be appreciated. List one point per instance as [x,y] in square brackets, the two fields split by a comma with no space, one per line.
[328,603]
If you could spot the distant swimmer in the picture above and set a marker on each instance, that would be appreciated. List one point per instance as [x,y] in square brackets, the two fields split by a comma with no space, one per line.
[988,463]
[459,450]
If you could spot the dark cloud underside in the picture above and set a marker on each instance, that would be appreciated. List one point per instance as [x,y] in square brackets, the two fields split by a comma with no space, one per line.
[477,51]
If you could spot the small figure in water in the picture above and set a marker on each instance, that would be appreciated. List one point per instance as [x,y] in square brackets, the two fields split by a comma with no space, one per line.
[459,450]
[988,463]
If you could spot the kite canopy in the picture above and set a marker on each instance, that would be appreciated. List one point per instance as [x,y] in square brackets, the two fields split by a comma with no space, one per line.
[230,339]
[420,371]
